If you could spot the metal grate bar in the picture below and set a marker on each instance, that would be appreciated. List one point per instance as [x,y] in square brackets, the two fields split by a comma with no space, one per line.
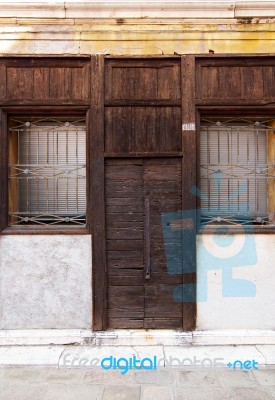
[234,170]
[49,171]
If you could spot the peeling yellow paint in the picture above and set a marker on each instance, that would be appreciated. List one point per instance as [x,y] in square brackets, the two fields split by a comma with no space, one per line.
[149,338]
[129,38]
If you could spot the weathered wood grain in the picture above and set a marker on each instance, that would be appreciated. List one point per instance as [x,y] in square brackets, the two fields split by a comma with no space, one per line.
[160,179]
[96,193]
[239,81]
[44,80]
[142,80]
[189,166]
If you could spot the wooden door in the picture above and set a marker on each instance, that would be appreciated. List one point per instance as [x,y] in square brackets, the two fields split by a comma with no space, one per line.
[139,153]
[138,192]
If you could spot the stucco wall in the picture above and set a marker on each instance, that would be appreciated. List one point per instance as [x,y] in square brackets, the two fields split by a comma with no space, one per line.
[45,282]
[249,304]
[122,37]
[137,28]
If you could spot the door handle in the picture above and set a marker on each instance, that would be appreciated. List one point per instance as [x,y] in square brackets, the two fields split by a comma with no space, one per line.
[147,238]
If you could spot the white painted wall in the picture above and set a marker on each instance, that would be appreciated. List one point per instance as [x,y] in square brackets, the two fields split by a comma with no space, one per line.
[45,282]
[257,266]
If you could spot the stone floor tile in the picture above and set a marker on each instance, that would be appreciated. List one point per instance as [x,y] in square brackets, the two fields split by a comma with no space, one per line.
[63,375]
[251,394]
[98,375]
[206,393]
[48,391]
[42,375]
[156,393]
[205,377]
[265,376]
[121,393]
[236,378]
[22,391]
[159,377]
[22,374]
[71,392]
[271,390]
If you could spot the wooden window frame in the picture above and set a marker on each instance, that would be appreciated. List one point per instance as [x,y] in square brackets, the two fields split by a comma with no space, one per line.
[5,113]
[245,99]
[93,107]
[224,111]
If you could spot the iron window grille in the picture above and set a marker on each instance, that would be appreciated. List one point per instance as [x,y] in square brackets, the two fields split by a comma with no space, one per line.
[237,170]
[47,171]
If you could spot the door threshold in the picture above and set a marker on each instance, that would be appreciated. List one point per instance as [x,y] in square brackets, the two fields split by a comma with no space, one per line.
[49,337]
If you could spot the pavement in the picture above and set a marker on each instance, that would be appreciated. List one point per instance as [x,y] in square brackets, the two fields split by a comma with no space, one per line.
[164,383]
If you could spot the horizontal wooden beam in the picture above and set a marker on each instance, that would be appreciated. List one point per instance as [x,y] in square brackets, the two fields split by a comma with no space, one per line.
[235,102]
[141,154]
[149,103]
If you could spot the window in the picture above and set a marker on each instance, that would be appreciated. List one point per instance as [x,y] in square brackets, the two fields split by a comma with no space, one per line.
[237,171]
[47,171]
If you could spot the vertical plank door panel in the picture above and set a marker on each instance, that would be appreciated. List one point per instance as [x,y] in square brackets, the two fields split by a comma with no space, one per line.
[124,231]
[162,181]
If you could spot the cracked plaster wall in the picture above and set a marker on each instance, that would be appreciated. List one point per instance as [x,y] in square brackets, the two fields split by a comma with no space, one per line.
[45,282]
[256,267]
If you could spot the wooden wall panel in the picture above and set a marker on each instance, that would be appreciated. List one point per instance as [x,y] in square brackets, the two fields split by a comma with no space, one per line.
[19,83]
[41,83]
[134,83]
[142,79]
[235,81]
[80,83]
[252,83]
[142,129]
[59,78]
[45,80]
[3,82]
[269,80]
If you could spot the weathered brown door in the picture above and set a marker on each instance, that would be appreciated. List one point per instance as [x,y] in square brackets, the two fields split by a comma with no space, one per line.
[139,175]
[140,289]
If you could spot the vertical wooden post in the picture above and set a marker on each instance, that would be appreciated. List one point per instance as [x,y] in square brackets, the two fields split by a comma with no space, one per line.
[189,167]
[4,171]
[96,197]
[271,174]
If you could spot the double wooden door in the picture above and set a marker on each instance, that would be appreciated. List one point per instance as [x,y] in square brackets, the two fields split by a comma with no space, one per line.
[139,192]
[142,168]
